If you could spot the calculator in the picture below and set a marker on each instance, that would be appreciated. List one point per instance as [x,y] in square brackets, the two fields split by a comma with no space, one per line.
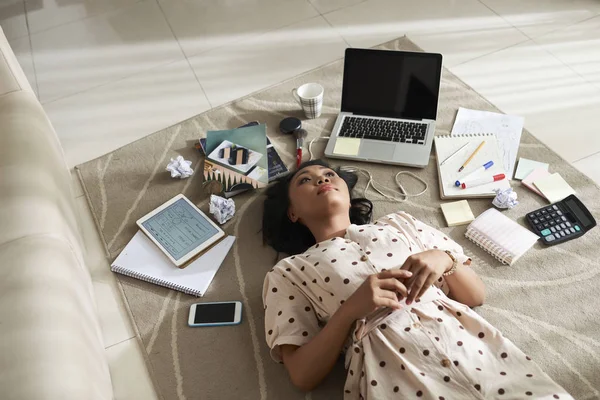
[564,220]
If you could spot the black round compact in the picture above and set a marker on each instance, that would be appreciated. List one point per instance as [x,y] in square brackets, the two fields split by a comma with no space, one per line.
[290,125]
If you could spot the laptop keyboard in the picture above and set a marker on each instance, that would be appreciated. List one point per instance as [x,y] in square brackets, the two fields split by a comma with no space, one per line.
[383,129]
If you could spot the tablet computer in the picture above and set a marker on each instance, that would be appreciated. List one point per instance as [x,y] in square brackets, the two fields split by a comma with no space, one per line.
[180,230]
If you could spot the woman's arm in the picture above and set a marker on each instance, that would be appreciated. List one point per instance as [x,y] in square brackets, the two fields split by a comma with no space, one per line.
[428,266]
[465,286]
[310,363]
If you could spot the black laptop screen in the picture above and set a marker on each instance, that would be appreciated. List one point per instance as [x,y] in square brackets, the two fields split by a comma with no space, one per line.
[391,83]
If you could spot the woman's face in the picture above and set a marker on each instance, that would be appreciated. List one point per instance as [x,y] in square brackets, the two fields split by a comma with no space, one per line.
[317,192]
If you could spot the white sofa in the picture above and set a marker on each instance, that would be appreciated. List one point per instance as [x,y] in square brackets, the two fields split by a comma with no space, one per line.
[50,340]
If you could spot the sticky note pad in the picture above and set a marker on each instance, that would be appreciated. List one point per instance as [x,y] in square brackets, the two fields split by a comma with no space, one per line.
[527,166]
[554,187]
[457,213]
[346,146]
[535,175]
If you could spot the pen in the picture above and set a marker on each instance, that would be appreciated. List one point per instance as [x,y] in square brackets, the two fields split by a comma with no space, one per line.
[472,155]
[453,154]
[482,181]
[476,172]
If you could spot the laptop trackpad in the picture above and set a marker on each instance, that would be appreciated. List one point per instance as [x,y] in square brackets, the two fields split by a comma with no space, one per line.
[378,151]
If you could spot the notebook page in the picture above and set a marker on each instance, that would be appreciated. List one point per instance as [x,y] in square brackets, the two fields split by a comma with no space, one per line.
[507,128]
[447,145]
[145,258]
[504,233]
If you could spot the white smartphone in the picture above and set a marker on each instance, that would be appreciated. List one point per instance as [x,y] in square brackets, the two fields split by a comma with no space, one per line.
[215,314]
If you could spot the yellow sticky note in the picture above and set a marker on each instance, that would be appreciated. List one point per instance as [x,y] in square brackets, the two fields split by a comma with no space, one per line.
[554,187]
[457,213]
[346,146]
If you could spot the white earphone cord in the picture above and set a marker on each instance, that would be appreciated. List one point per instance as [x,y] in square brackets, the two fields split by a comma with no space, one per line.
[378,186]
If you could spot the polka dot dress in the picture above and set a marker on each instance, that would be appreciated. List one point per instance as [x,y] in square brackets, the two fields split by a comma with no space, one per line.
[436,348]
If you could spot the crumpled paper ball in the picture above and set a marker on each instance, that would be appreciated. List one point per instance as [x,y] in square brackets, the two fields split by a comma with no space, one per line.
[506,198]
[222,209]
[180,168]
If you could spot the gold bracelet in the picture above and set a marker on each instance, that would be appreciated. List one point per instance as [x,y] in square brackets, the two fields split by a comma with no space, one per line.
[454,264]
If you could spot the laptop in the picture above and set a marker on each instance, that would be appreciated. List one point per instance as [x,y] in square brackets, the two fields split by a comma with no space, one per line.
[389,107]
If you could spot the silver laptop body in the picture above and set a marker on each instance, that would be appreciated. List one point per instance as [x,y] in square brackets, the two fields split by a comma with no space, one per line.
[389,107]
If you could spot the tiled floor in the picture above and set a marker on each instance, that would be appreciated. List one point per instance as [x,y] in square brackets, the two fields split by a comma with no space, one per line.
[109,72]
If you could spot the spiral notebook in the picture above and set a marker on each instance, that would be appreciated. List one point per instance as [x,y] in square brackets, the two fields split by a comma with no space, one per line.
[448,173]
[142,259]
[500,236]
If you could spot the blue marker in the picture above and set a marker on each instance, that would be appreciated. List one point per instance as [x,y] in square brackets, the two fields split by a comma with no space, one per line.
[476,172]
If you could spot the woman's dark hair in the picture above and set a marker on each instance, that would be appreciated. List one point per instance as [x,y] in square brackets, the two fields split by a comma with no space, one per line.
[293,237]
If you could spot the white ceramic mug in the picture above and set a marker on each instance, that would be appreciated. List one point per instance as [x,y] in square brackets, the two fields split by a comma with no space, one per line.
[310,98]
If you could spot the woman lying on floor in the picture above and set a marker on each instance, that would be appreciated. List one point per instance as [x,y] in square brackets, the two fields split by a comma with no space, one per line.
[395,295]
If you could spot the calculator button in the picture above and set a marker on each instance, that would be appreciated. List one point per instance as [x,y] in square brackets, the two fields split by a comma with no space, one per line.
[568,224]
[562,233]
[558,220]
[577,228]
[546,225]
[572,230]
[542,219]
[535,221]
[553,215]
[555,207]
[544,212]
[563,218]
[563,225]
[545,232]
[550,238]
[539,227]
[537,214]
[553,229]
[559,212]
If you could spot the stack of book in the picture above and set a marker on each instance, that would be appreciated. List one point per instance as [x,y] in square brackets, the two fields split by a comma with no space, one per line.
[240,159]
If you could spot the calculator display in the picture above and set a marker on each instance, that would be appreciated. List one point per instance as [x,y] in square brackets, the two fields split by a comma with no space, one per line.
[578,212]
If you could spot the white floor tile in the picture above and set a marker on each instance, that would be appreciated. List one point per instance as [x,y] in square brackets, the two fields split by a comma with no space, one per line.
[44,14]
[22,49]
[128,371]
[234,71]
[461,30]
[558,105]
[537,17]
[81,55]
[578,46]
[12,18]
[100,120]
[205,25]
[76,184]
[590,166]
[325,6]
[114,318]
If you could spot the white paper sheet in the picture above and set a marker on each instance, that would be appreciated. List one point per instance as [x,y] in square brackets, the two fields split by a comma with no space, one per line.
[507,128]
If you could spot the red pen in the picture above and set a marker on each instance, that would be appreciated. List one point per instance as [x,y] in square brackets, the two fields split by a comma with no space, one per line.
[300,135]
[482,181]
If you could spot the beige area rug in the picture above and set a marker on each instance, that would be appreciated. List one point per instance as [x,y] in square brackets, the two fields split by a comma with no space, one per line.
[547,303]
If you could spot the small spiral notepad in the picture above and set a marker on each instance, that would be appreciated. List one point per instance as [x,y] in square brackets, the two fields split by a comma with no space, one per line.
[142,259]
[500,236]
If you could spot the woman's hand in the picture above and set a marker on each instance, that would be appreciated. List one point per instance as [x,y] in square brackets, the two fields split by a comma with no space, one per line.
[378,290]
[426,268]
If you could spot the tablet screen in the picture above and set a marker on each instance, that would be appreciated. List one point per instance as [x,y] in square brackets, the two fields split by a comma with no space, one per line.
[179,228]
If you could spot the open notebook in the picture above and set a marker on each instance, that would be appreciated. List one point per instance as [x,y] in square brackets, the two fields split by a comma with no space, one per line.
[141,259]
[500,236]
[448,173]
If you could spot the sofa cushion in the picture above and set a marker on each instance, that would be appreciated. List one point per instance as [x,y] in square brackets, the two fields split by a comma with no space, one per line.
[35,190]
[50,342]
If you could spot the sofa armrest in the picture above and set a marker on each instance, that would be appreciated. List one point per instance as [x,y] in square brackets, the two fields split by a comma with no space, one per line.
[12,77]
